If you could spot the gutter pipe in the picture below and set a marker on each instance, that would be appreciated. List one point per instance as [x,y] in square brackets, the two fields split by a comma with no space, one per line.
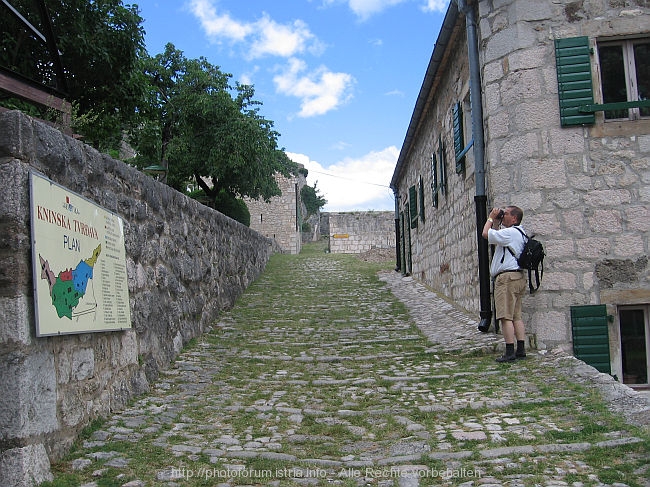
[480,198]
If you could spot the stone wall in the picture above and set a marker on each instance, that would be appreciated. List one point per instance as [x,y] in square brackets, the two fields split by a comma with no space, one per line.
[356,232]
[584,189]
[281,217]
[186,263]
[443,245]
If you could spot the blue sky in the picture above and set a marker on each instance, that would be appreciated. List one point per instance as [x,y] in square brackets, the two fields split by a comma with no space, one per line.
[339,78]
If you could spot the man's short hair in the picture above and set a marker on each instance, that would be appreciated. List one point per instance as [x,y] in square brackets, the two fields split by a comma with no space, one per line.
[517,212]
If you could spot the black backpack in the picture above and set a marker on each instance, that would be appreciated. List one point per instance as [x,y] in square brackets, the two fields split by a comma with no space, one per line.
[531,258]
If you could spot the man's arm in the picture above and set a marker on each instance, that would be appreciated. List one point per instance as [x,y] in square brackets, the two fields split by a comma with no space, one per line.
[489,223]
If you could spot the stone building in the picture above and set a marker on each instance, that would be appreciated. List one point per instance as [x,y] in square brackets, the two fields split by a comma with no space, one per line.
[558,123]
[281,217]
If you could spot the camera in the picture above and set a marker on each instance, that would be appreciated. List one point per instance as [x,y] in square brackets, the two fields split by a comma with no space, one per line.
[500,215]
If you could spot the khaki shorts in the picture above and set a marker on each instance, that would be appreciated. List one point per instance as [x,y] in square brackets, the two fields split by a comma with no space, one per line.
[509,289]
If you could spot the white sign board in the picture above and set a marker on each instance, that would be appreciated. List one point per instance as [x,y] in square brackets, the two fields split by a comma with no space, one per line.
[79,262]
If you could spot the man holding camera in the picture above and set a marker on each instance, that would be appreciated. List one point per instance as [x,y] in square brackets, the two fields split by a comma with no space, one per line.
[509,279]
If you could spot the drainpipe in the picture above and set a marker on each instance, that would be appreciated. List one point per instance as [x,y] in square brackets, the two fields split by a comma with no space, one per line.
[480,199]
[398,260]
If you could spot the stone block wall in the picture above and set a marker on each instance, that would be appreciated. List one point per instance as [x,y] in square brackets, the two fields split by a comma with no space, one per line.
[443,245]
[357,232]
[186,263]
[583,189]
[281,217]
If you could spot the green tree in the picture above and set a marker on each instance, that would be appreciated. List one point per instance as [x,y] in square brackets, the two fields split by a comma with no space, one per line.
[207,133]
[312,200]
[100,42]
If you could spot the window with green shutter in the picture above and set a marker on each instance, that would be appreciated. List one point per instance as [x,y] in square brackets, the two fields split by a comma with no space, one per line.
[413,206]
[591,335]
[421,199]
[434,179]
[575,88]
[459,138]
[625,79]
[443,166]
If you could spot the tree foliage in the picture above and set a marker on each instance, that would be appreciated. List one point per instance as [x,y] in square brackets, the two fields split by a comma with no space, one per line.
[208,133]
[312,200]
[183,114]
[100,43]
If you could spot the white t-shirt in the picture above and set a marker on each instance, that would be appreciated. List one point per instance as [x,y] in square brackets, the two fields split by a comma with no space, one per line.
[503,260]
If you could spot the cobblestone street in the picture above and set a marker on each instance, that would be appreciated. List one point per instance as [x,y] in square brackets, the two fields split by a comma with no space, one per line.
[324,375]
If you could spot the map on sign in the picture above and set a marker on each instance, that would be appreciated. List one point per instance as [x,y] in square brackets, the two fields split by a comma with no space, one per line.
[79,263]
[69,287]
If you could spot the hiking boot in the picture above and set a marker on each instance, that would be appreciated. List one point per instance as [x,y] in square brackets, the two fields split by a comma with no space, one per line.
[520,355]
[507,358]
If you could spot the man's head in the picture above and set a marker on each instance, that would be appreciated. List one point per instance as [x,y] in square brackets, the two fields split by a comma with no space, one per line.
[512,216]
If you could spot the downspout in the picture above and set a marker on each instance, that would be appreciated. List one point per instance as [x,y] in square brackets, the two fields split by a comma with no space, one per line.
[480,199]
[398,260]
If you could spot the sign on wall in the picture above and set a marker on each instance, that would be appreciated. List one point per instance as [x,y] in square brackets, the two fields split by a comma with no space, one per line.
[79,263]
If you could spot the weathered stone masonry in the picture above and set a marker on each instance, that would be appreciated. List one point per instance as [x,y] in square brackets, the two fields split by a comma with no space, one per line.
[281,217]
[185,263]
[584,189]
[359,231]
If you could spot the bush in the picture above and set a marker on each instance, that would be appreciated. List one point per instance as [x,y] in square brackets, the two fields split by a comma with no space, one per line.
[225,203]
[233,207]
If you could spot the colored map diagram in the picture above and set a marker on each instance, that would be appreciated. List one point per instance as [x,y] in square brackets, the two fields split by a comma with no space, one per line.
[79,263]
[70,286]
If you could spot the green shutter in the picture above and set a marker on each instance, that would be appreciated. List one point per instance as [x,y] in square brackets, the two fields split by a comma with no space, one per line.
[413,206]
[421,199]
[591,336]
[443,166]
[575,88]
[434,180]
[459,140]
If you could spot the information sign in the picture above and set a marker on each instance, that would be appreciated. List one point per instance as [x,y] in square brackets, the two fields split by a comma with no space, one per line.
[79,263]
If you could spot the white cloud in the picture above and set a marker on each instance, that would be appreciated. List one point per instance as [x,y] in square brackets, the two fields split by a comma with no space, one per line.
[280,40]
[354,184]
[263,37]
[366,8]
[435,6]
[319,91]
[219,26]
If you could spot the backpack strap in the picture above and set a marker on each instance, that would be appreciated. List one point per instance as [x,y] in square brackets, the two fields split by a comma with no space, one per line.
[522,233]
[508,247]
[530,272]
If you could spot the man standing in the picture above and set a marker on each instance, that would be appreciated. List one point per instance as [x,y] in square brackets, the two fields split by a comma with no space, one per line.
[501,229]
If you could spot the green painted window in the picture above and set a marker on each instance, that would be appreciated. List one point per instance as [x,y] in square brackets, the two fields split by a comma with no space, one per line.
[443,166]
[625,76]
[421,199]
[413,206]
[459,137]
[635,343]
[575,88]
[434,179]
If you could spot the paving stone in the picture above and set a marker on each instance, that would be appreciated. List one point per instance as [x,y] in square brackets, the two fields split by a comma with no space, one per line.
[469,435]
[347,381]
[81,463]
[117,462]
